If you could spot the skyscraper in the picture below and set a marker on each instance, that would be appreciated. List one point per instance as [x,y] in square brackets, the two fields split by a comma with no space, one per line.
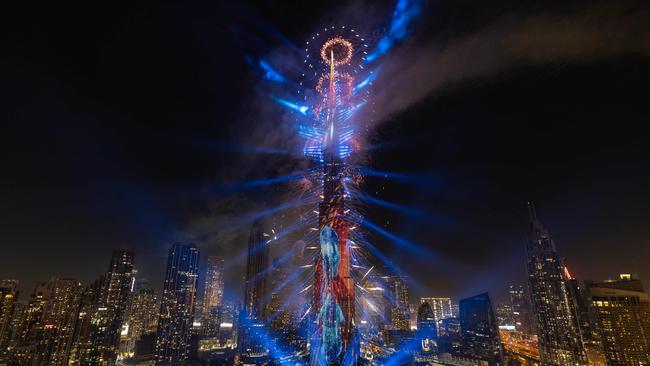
[213,295]
[253,314]
[521,312]
[102,313]
[58,321]
[119,284]
[427,330]
[554,309]
[398,296]
[622,309]
[8,298]
[142,317]
[177,305]
[441,307]
[480,333]
[257,263]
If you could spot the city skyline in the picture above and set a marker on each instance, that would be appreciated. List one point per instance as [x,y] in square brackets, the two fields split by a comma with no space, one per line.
[352,183]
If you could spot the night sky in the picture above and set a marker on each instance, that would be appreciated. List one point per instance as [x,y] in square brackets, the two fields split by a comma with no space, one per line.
[124,125]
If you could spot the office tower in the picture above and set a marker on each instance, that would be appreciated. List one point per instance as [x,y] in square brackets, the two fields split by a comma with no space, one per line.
[253,314]
[31,332]
[257,263]
[427,331]
[504,315]
[622,309]
[213,284]
[375,312]
[92,326]
[8,298]
[480,332]
[120,281]
[441,306]
[521,312]
[553,307]
[142,317]
[102,313]
[58,321]
[177,305]
[398,295]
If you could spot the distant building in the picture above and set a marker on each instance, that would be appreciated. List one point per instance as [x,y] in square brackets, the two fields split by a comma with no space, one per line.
[214,284]
[622,308]
[257,264]
[102,313]
[521,311]
[398,297]
[8,298]
[442,307]
[142,318]
[177,305]
[427,331]
[253,315]
[57,323]
[554,308]
[480,333]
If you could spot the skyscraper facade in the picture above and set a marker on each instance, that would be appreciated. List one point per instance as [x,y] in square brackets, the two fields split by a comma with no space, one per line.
[142,317]
[8,298]
[441,307]
[58,321]
[479,330]
[554,309]
[521,312]
[398,295]
[214,285]
[427,330]
[257,264]
[622,309]
[177,305]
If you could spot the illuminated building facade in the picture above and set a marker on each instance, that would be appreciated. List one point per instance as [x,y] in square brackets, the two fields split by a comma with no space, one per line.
[480,333]
[622,308]
[441,306]
[177,305]
[427,329]
[257,264]
[398,297]
[213,295]
[8,298]
[521,312]
[142,317]
[58,321]
[560,342]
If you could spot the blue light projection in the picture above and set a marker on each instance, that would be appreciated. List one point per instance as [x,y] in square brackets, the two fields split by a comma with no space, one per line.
[404,13]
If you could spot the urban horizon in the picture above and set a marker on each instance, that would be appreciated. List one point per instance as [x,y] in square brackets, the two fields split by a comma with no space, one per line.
[346,183]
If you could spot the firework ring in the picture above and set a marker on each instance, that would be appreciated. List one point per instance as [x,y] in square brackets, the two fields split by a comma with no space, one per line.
[342,49]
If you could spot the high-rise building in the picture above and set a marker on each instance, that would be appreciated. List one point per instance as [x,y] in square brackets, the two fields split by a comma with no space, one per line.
[31,332]
[177,305]
[8,298]
[58,321]
[398,296]
[622,309]
[120,282]
[427,330]
[554,309]
[521,312]
[257,264]
[142,317]
[214,285]
[102,313]
[253,314]
[441,307]
[480,333]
